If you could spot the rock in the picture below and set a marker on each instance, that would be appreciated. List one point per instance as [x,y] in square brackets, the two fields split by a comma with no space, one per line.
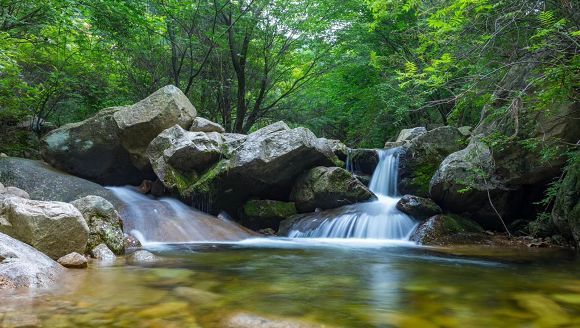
[267,232]
[420,157]
[363,161]
[261,214]
[142,257]
[23,266]
[178,155]
[145,187]
[412,133]
[73,261]
[2,155]
[275,155]
[395,144]
[465,130]
[110,147]
[140,123]
[364,179]
[201,124]
[2,189]
[14,191]
[338,148]
[91,149]
[196,296]
[566,211]
[445,229]
[131,242]
[45,183]
[250,320]
[418,207]
[103,253]
[164,310]
[105,224]
[54,228]
[325,188]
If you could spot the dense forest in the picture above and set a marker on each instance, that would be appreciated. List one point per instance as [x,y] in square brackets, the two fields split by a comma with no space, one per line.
[351,70]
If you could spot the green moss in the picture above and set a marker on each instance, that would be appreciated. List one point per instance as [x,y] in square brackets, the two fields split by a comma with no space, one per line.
[181,181]
[423,174]
[454,224]
[206,184]
[269,209]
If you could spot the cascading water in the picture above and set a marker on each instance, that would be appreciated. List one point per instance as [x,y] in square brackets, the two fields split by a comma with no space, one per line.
[379,219]
[168,220]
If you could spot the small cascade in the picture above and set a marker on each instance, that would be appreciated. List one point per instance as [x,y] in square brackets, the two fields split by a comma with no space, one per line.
[379,219]
[168,220]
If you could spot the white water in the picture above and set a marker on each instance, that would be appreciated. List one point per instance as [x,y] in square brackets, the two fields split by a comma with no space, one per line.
[378,219]
[168,220]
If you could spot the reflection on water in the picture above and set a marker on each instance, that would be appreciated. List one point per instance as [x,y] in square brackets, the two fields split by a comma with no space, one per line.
[375,284]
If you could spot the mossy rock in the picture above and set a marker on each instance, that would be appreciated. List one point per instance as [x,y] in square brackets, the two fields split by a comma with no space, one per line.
[447,229]
[262,214]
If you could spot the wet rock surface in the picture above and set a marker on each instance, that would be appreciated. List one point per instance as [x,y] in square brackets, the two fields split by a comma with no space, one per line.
[73,261]
[418,207]
[446,229]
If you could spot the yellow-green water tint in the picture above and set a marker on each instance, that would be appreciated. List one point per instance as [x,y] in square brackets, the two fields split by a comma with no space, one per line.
[382,286]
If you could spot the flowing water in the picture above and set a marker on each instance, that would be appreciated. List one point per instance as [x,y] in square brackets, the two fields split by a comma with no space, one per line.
[335,283]
[379,219]
[168,220]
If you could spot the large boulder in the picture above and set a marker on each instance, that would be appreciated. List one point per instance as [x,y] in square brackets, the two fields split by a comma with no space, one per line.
[105,224]
[43,182]
[23,266]
[91,149]
[420,157]
[262,214]
[276,154]
[201,124]
[418,207]
[178,156]
[54,228]
[140,123]
[412,133]
[446,229]
[328,187]
[109,147]
[566,212]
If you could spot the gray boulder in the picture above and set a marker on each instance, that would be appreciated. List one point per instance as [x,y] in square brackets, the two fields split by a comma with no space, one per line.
[328,187]
[105,224]
[420,157]
[140,123]
[73,261]
[201,124]
[418,207]
[54,228]
[91,149]
[178,155]
[23,266]
[43,182]
[103,253]
[338,148]
[13,192]
[142,257]
[275,155]
[412,133]
[109,147]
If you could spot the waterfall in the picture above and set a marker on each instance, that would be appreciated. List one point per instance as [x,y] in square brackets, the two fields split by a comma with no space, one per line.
[379,219]
[168,220]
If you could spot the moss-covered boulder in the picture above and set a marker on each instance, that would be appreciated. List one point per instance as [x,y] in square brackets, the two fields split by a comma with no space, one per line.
[177,155]
[566,212]
[420,157]
[105,224]
[262,214]
[418,207]
[446,229]
[328,187]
